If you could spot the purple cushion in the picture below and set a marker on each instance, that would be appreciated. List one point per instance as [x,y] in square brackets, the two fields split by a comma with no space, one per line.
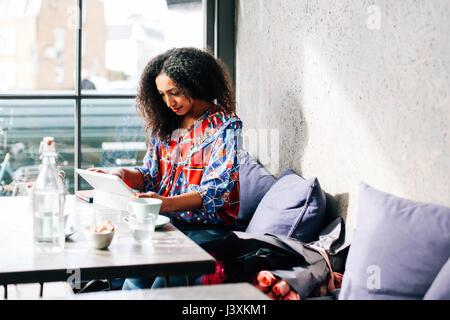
[254,181]
[440,288]
[293,207]
[397,249]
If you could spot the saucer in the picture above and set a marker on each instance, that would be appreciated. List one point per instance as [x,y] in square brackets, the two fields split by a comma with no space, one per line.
[162,220]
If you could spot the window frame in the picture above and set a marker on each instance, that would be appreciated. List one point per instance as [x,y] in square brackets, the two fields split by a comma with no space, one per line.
[219,24]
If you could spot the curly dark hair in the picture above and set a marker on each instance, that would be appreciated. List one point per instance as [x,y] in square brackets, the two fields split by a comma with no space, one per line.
[196,73]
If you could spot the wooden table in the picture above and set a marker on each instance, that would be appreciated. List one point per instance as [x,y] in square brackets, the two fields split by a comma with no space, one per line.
[170,252]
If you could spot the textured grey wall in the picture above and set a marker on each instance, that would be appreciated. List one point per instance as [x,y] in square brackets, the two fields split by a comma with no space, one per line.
[355,90]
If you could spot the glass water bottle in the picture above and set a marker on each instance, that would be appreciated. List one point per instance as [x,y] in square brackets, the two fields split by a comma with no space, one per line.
[48,202]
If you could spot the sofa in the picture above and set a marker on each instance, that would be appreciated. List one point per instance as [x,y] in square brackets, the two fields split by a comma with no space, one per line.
[399,248]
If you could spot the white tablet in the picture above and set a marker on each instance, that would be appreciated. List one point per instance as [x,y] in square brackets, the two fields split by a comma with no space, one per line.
[105,182]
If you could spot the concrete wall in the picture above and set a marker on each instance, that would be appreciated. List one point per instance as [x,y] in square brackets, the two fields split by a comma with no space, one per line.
[351,91]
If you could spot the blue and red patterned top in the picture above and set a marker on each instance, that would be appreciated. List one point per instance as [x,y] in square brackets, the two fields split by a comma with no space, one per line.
[203,159]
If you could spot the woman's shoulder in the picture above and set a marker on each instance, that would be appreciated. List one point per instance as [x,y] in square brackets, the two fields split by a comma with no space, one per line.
[219,120]
[220,116]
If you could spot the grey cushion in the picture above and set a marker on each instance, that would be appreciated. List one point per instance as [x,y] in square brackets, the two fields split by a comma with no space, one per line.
[293,207]
[254,181]
[397,249]
[440,288]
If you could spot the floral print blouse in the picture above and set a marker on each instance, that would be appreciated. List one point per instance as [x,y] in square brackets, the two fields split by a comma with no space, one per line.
[203,158]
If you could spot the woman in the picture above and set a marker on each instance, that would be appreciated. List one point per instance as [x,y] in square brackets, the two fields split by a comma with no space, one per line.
[187,101]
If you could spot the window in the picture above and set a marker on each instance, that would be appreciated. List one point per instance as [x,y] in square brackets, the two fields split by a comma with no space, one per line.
[23,123]
[81,90]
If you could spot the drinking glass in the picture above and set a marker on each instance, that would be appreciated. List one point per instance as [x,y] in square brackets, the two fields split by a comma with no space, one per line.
[142,228]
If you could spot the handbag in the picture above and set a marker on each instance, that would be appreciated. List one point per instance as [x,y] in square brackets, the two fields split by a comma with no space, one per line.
[305,266]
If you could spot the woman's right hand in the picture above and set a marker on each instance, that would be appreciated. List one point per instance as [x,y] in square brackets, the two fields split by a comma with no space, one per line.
[115,171]
[96,170]
[120,172]
[132,178]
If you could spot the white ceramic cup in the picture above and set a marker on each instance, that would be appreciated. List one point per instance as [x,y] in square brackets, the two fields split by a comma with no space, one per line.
[142,208]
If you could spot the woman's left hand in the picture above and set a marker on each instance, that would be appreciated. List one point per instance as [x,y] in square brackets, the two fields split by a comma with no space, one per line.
[184,202]
[151,194]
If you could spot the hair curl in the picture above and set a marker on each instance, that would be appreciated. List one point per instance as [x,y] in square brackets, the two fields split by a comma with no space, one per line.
[197,73]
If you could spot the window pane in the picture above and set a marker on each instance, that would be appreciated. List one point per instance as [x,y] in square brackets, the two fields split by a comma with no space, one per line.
[120,37]
[23,124]
[111,134]
[37,45]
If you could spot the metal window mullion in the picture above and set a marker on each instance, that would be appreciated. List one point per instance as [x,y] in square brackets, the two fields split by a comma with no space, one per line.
[77,113]
[36,96]
[107,96]
[208,24]
[224,34]
[63,96]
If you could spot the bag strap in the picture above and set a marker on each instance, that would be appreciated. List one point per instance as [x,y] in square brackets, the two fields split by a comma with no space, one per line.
[335,277]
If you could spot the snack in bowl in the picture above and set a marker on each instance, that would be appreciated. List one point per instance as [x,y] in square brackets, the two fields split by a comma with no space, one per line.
[100,236]
[105,226]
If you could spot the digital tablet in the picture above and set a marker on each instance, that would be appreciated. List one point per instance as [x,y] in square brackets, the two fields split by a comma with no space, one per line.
[105,182]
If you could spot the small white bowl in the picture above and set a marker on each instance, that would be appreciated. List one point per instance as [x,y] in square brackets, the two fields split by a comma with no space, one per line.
[99,240]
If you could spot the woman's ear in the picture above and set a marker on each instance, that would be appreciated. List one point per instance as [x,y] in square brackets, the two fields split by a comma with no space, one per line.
[186,95]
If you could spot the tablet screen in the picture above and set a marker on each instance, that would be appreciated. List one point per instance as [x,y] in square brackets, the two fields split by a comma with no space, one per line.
[105,182]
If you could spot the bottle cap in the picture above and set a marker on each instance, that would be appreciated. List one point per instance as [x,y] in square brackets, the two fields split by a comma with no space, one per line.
[47,146]
[48,140]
